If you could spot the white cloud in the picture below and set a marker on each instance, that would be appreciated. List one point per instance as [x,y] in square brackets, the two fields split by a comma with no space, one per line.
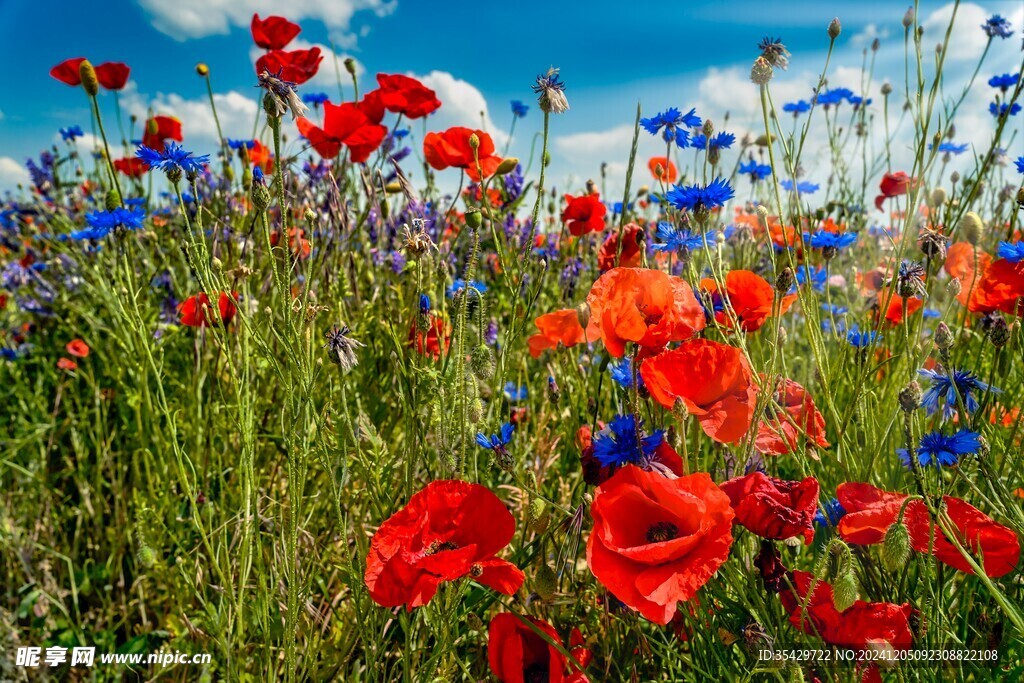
[967,39]
[1,115]
[462,104]
[868,35]
[12,173]
[184,19]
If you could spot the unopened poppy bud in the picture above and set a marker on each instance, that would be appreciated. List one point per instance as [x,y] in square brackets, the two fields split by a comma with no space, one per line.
[583,314]
[937,198]
[202,69]
[834,28]
[481,362]
[350,66]
[474,218]
[761,71]
[944,337]
[393,188]
[88,75]
[896,546]
[971,227]
[474,622]
[476,411]
[784,281]
[112,200]
[507,166]
[474,141]
[310,216]
[642,191]
[545,583]
[844,592]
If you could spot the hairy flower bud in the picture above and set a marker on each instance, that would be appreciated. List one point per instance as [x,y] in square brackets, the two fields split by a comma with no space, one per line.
[481,362]
[112,200]
[971,227]
[545,582]
[944,337]
[88,75]
[896,546]
[784,281]
[844,592]
[761,71]
[910,397]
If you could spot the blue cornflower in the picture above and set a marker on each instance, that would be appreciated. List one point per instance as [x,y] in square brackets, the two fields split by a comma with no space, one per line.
[674,123]
[622,373]
[774,51]
[239,144]
[932,313]
[458,284]
[496,442]
[835,310]
[70,133]
[997,27]
[816,277]
[675,239]
[963,383]
[823,239]
[755,170]
[424,304]
[829,513]
[102,223]
[617,443]
[1011,251]
[692,197]
[940,450]
[951,147]
[514,392]
[1019,162]
[172,159]
[1004,82]
[861,340]
[257,176]
[833,96]
[314,98]
[803,187]
[999,110]
[797,108]
[519,109]
[857,100]
[721,140]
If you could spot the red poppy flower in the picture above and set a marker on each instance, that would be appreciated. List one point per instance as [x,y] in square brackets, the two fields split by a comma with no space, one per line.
[67,364]
[774,508]
[862,626]
[372,105]
[196,311]
[749,295]
[517,654]
[893,185]
[344,124]
[648,307]
[968,264]
[870,512]
[67,71]
[560,327]
[298,244]
[668,171]
[133,167]
[159,129]
[261,156]
[294,66]
[77,348]
[451,149]
[584,214]
[713,381]
[448,530]
[429,342]
[790,418]
[657,540]
[1000,288]
[273,33]
[404,95]
[664,459]
[112,75]
[631,253]
[894,313]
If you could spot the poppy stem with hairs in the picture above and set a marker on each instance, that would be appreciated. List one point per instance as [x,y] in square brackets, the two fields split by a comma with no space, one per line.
[629,177]
[106,149]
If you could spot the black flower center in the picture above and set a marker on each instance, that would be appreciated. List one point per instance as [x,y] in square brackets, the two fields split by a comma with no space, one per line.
[661,532]
[437,547]
[536,673]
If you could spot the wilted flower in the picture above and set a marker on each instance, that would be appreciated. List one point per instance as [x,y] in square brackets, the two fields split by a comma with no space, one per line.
[342,348]
[551,93]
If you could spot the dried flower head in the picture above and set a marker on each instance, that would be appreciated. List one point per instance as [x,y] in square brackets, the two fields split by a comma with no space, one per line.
[551,93]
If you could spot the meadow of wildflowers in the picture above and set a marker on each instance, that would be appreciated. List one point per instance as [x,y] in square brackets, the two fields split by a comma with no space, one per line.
[379,402]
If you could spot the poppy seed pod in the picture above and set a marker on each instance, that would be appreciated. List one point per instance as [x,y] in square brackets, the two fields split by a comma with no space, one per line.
[474,219]
[350,66]
[88,75]
[972,228]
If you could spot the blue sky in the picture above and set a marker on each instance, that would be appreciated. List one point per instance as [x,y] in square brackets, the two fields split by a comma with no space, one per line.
[475,54]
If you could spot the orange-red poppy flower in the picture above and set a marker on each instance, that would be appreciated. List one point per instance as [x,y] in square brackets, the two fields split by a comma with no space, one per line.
[434,340]
[260,156]
[133,167]
[657,540]
[67,364]
[112,75]
[629,256]
[584,214]
[407,96]
[648,307]
[894,312]
[561,328]
[1000,288]
[159,129]
[293,66]
[273,33]
[967,263]
[663,169]
[749,295]
[893,185]
[197,311]
[344,124]
[774,508]
[67,71]
[712,380]
[790,418]
[871,511]
[448,530]
[517,654]
[452,149]
[77,348]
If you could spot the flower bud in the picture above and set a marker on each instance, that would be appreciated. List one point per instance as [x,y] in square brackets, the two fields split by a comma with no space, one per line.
[944,337]
[954,287]
[112,200]
[583,314]
[202,69]
[545,583]
[507,165]
[896,546]
[908,18]
[910,397]
[88,75]
[474,142]
[481,362]
[834,28]
[886,89]
[972,228]
[937,198]
[844,592]
[784,281]
[998,331]
[761,71]
[350,66]
[260,196]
